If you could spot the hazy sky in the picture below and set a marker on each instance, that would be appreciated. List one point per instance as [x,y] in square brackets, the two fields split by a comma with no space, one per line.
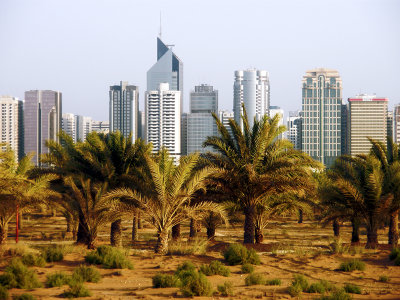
[81,47]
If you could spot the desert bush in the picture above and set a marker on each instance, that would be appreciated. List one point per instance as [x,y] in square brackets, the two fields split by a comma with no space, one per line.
[17,275]
[301,281]
[57,279]
[352,288]
[30,260]
[295,290]
[394,253]
[196,246]
[165,280]
[337,295]
[316,287]
[384,278]
[3,293]
[255,279]
[53,253]
[338,247]
[77,290]
[352,265]
[186,266]
[86,274]
[247,268]
[109,257]
[225,289]
[24,297]
[215,268]
[274,281]
[237,254]
[196,284]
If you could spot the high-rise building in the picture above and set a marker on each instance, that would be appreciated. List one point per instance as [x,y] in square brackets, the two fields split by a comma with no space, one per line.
[42,120]
[321,114]
[142,125]
[184,133]
[200,122]
[101,127]
[124,108]
[251,87]
[276,110]
[83,127]
[396,124]
[11,125]
[344,130]
[69,125]
[390,122]
[367,117]
[294,129]
[163,119]
[224,116]
[168,68]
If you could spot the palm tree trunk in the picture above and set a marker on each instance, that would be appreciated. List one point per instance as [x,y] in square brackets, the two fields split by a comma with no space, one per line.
[259,235]
[135,226]
[192,228]
[300,216]
[355,234]
[116,233]
[91,241]
[336,228]
[68,225]
[394,229]
[20,222]
[249,225]
[162,243]
[372,238]
[176,232]
[139,221]
[82,234]
[3,234]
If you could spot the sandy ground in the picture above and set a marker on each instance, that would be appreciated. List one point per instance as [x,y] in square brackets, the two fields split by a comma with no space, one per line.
[289,248]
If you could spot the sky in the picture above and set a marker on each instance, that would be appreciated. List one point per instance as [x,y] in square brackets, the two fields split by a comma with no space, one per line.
[81,47]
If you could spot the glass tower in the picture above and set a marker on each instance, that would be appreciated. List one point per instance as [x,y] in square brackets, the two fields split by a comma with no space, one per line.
[321,117]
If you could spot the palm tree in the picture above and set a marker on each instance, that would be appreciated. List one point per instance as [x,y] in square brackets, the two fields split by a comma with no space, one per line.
[389,158]
[256,164]
[165,196]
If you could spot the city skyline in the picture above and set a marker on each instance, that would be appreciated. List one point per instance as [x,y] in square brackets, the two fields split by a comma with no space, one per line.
[73,59]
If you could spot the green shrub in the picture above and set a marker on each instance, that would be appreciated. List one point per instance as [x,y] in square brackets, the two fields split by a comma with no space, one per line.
[109,257]
[352,265]
[185,267]
[24,297]
[33,260]
[226,289]
[394,253]
[247,268]
[165,280]
[3,293]
[384,278]
[295,290]
[215,268]
[237,254]
[301,281]
[255,279]
[352,288]
[337,295]
[327,285]
[275,281]
[17,275]
[196,284]
[77,290]
[86,274]
[57,279]
[316,287]
[53,253]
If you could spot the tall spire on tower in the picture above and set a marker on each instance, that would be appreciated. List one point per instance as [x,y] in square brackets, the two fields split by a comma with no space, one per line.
[159,34]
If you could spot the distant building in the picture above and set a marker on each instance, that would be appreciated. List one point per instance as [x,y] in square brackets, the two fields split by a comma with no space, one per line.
[321,114]
[294,129]
[201,124]
[396,123]
[163,119]
[184,133]
[69,125]
[367,118]
[142,125]
[276,110]
[345,130]
[83,127]
[42,120]
[11,125]
[224,117]
[101,126]
[124,108]
[251,87]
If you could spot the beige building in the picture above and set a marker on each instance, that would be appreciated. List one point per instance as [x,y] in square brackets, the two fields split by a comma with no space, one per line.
[367,117]
[396,123]
[11,124]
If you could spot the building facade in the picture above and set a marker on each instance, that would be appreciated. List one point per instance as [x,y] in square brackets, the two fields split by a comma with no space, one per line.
[294,129]
[101,127]
[276,110]
[321,114]
[163,119]
[42,120]
[11,125]
[184,133]
[69,125]
[124,109]
[367,117]
[396,124]
[83,127]
[224,116]
[201,124]
[251,88]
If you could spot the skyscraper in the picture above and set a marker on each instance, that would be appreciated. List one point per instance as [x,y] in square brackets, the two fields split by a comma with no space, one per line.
[83,127]
[124,109]
[101,126]
[224,116]
[69,125]
[321,114]
[42,120]
[142,125]
[294,129]
[200,123]
[276,110]
[163,119]
[396,123]
[11,125]
[367,118]
[251,87]
[184,133]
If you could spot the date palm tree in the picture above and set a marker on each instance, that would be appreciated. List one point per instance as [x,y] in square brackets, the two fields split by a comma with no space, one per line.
[256,164]
[165,195]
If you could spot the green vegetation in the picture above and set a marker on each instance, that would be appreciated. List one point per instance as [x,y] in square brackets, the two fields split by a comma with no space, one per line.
[30,260]
[352,288]
[384,278]
[77,290]
[255,279]
[17,275]
[86,274]
[215,268]
[195,284]
[57,279]
[299,284]
[247,268]
[165,280]
[186,266]
[226,289]
[237,254]
[3,293]
[274,281]
[24,297]
[394,253]
[53,253]
[337,295]
[352,265]
[109,257]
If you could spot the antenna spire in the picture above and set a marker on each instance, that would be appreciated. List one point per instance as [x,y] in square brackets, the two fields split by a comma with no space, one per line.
[159,34]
